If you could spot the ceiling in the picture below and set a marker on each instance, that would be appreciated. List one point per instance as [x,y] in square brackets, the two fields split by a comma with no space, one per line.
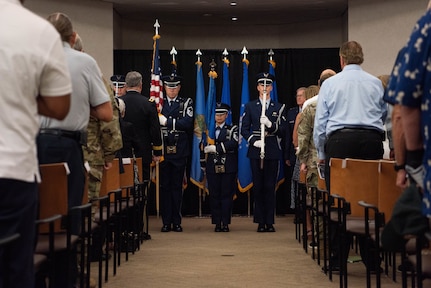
[220,12]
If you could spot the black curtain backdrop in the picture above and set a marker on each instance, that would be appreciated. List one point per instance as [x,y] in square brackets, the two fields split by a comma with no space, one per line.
[294,68]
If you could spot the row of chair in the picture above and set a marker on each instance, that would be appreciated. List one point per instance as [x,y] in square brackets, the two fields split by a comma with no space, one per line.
[121,201]
[357,187]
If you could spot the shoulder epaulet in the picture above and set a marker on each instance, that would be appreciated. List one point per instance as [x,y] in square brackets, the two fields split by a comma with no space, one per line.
[151,99]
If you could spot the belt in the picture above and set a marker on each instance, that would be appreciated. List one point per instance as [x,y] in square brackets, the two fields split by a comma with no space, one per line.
[257,133]
[357,130]
[75,135]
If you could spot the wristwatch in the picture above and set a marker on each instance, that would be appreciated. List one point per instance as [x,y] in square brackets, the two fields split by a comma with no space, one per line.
[399,167]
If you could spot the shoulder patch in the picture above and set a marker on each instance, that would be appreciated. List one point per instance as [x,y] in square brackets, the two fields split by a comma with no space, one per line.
[190,111]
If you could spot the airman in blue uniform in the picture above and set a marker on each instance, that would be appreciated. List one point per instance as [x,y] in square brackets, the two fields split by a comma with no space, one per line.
[264,166]
[222,168]
[176,119]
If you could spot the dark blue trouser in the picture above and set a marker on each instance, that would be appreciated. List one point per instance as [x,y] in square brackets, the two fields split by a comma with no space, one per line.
[221,189]
[18,208]
[171,192]
[264,182]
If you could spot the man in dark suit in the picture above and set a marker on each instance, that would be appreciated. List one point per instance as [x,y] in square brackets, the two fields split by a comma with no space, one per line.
[176,120]
[222,168]
[142,113]
[264,153]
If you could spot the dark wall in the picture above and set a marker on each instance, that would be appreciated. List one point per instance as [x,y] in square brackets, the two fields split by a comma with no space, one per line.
[294,68]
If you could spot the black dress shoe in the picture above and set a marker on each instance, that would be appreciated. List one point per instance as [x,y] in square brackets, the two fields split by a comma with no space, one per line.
[217,228]
[178,228]
[225,228]
[166,228]
[261,228]
[270,228]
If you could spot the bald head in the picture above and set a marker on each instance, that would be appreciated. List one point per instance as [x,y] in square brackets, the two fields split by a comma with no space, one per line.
[325,75]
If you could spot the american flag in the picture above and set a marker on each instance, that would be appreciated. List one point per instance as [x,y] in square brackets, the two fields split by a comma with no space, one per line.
[156,89]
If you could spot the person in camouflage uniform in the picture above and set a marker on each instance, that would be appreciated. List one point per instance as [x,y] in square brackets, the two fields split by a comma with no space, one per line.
[307,153]
[104,139]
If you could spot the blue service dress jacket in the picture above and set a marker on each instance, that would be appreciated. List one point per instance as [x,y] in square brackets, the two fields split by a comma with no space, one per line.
[178,128]
[227,151]
[250,129]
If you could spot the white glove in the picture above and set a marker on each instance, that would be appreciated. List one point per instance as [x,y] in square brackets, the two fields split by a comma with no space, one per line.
[162,120]
[210,149]
[257,143]
[265,120]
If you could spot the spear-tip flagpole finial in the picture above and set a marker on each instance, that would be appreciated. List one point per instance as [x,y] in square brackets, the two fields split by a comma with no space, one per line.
[199,54]
[173,53]
[157,26]
[225,53]
[213,65]
[270,54]
[244,52]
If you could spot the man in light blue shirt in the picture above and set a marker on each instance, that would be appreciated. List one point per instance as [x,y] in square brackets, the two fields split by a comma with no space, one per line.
[349,120]
[350,100]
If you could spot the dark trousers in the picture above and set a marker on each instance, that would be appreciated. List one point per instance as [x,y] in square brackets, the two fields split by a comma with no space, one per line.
[54,149]
[221,189]
[264,182]
[171,192]
[352,143]
[357,144]
[18,208]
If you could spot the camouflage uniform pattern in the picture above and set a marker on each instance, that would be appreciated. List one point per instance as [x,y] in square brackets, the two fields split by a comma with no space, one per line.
[307,152]
[103,140]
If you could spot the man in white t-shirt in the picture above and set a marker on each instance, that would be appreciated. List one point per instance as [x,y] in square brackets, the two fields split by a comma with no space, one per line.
[34,80]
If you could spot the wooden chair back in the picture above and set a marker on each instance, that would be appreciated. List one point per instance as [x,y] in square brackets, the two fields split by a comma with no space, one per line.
[111,179]
[355,180]
[85,195]
[302,177]
[338,181]
[140,172]
[388,190]
[363,183]
[321,184]
[53,193]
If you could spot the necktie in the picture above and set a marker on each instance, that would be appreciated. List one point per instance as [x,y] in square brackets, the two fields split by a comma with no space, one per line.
[217,133]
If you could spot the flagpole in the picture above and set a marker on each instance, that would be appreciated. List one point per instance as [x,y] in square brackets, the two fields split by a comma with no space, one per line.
[156,35]
[244,52]
[157,189]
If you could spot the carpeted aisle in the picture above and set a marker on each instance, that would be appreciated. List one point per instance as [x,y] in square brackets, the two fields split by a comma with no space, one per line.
[199,257]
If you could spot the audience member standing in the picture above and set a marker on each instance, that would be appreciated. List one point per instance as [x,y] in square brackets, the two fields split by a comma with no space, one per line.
[176,120]
[46,92]
[264,176]
[349,116]
[142,113]
[289,148]
[61,141]
[103,140]
[410,87]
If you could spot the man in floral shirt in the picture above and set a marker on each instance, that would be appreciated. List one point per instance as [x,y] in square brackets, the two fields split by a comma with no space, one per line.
[410,87]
